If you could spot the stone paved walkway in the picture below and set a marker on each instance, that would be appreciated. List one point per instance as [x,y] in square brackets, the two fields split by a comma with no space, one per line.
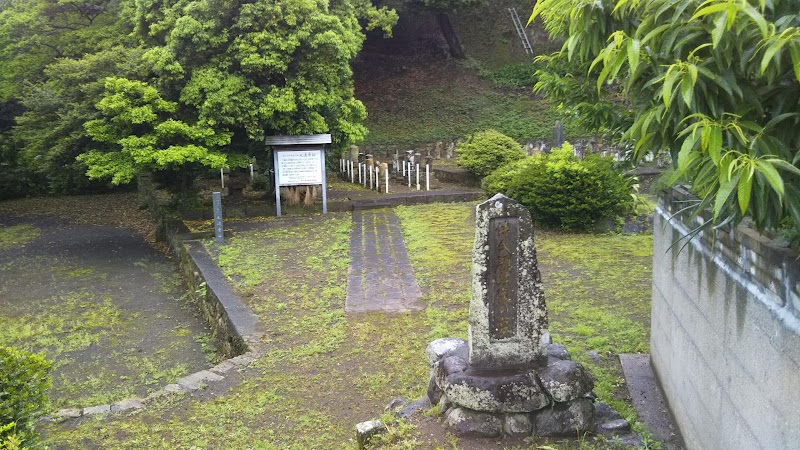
[380,277]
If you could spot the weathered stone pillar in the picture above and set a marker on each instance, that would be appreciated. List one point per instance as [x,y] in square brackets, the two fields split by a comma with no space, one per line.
[507,314]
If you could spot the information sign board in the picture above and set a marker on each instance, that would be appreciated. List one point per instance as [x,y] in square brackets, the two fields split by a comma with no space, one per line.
[299,167]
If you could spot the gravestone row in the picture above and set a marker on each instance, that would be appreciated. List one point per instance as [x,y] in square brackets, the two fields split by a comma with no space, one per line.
[358,167]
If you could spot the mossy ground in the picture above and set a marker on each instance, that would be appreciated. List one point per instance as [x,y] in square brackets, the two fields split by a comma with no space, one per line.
[96,300]
[326,371]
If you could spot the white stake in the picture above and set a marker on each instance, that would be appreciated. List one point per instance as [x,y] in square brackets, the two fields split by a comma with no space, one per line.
[417,176]
[427,177]
[386,178]
[409,174]
[222,177]
[352,173]
[251,172]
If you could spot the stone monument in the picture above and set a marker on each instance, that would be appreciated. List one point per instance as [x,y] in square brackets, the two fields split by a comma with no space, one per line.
[508,377]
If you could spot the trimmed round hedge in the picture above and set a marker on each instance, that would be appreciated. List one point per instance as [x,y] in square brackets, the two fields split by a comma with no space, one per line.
[487,150]
[562,190]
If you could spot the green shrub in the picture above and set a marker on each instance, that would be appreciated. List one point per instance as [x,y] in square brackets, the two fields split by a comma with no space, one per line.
[563,191]
[501,179]
[24,378]
[487,150]
[260,182]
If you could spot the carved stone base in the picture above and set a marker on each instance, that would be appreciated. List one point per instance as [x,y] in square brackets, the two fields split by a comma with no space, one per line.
[548,400]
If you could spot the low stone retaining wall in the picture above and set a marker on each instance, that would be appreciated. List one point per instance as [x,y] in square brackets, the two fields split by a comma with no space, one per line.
[725,337]
[235,326]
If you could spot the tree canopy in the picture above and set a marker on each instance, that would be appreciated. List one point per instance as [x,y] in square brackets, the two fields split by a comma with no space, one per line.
[716,83]
[175,85]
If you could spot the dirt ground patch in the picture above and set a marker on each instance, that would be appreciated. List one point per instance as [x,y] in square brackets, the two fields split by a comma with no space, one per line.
[96,298]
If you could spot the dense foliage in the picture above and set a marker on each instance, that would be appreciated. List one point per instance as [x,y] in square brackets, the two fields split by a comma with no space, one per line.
[24,379]
[487,150]
[716,83]
[562,190]
[173,85]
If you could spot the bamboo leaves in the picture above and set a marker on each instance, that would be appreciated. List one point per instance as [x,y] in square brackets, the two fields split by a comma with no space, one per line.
[714,82]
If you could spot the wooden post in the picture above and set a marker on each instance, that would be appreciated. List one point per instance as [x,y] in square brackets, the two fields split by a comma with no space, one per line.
[385,168]
[428,173]
[416,161]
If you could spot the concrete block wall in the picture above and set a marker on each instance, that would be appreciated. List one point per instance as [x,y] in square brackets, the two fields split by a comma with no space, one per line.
[725,336]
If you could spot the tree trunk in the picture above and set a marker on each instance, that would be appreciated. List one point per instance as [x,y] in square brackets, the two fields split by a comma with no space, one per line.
[456,51]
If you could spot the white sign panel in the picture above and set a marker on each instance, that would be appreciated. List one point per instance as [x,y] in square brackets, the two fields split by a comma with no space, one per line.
[300,167]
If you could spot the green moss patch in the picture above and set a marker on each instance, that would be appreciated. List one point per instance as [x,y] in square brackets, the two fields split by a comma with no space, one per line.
[17,236]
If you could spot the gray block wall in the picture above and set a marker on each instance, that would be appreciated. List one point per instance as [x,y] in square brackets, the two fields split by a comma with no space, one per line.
[725,337]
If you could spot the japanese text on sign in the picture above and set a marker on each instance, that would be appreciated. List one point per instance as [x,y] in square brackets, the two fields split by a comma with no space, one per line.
[299,167]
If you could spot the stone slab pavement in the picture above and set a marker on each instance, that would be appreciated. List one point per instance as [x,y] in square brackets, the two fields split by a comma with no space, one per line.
[380,277]
[649,400]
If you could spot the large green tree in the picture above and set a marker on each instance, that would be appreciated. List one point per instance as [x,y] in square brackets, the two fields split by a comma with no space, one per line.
[34,33]
[716,83]
[54,55]
[230,73]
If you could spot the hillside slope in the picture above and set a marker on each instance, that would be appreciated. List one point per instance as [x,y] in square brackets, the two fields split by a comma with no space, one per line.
[415,93]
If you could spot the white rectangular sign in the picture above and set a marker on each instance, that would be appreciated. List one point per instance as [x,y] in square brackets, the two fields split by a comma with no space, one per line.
[299,167]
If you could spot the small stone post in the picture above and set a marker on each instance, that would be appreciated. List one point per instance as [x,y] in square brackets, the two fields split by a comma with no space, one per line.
[216,200]
[558,134]
[377,169]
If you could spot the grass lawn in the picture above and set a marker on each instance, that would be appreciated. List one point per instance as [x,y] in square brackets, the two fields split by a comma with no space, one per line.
[326,371]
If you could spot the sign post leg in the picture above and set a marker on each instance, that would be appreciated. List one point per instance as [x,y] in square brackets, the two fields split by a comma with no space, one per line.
[324,184]
[277,183]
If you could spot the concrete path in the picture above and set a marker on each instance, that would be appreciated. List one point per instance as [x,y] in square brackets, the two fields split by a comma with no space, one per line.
[649,400]
[380,277]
